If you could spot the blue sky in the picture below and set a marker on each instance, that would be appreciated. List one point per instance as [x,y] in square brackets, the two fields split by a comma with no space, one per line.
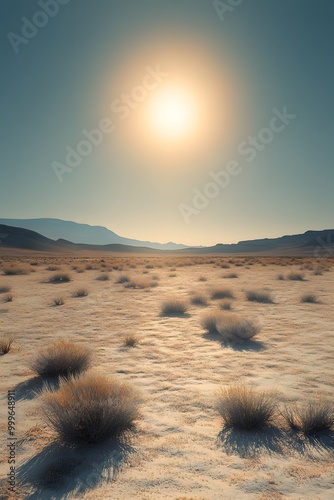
[262,55]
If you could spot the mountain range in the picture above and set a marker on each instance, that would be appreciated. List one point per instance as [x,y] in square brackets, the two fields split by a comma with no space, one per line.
[311,243]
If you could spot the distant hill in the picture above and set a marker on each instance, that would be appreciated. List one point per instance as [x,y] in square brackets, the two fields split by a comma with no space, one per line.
[311,243]
[14,238]
[56,229]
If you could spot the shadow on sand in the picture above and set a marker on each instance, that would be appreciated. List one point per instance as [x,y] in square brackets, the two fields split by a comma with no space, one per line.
[29,389]
[249,345]
[272,440]
[59,472]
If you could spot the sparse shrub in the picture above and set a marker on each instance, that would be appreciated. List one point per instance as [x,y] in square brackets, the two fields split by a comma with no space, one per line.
[91,409]
[58,301]
[8,298]
[199,300]
[309,298]
[59,278]
[294,276]
[202,278]
[281,277]
[131,341]
[226,306]
[141,283]
[6,343]
[316,416]
[173,307]
[123,278]
[5,289]
[210,321]
[222,293]
[81,292]
[245,408]
[232,328]
[103,277]
[13,270]
[61,358]
[259,296]
[53,268]
[225,266]
[231,276]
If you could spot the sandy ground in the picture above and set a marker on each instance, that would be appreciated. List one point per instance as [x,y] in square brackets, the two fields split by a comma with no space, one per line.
[180,450]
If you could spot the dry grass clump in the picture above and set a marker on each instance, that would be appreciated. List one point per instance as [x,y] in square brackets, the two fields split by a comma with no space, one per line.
[6,343]
[53,268]
[233,328]
[294,276]
[61,358]
[210,321]
[226,305]
[13,270]
[91,409]
[309,298]
[199,300]
[59,301]
[259,296]
[81,292]
[231,276]
[5,289]
[103,277]
[141,283]
[123,278]
[316,416]
[131,340]
[173,307]
[8,298]
[60,278]
[202,278]
[222,293]
[281,277]
[245,408]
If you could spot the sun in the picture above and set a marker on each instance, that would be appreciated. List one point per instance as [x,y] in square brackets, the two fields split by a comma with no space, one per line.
[171,114]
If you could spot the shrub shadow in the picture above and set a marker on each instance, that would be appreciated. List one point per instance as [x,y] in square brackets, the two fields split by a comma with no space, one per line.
[248,444]
[59,472]
[247,345]
[29,389]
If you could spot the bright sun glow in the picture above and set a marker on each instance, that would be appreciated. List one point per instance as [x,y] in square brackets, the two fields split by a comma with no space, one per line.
[171,114]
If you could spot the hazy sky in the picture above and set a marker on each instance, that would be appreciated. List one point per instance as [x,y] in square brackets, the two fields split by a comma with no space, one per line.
[183,91]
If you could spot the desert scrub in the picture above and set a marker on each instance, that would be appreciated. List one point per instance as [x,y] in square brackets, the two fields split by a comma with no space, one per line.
[123,278]
[60,278]
[103,277]
[210,321]
[259,296]
[91,408]
[81,292]
[221,293]
[316,416]
[198,300]
[5,289]
[233,328]
[173,307]
[245,408]
[13,270]
[8,298]
[59,301]
[294,276]
[131,341]
[6,342]
[309,298]
[61,358]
